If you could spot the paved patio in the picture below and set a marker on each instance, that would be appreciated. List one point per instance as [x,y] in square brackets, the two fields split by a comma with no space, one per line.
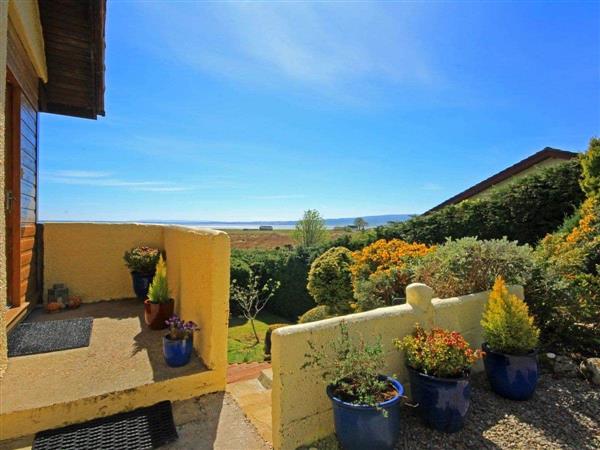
[213,421]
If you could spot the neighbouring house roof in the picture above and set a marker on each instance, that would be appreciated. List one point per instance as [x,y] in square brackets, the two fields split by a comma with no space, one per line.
[521,166]
[74,45]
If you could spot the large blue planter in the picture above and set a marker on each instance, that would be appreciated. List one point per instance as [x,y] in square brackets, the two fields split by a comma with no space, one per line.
[141,284]
[443,403]
[177,352]
[366,427]
[511,376]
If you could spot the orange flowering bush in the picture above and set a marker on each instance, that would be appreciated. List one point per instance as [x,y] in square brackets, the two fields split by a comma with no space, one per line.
[382,270]
[439,353]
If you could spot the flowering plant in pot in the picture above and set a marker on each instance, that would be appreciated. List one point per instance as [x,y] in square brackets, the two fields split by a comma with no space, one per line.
[366,404]
[179,342]
[158,307]
[511,344]
[439,364]
[141,262]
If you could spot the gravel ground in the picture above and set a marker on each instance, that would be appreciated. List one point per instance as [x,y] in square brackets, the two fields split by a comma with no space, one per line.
[563,414]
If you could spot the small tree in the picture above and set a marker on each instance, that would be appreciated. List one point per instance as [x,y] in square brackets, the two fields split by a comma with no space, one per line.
[253,297]
[330,280]
[360,224]
[310,230]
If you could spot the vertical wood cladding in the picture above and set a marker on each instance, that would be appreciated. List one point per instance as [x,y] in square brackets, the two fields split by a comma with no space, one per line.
[27,83]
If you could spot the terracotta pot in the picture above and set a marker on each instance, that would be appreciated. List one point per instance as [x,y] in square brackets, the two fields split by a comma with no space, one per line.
[155,314]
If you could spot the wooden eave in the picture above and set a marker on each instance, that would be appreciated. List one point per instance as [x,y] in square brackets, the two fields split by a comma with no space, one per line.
[74,45]
[536,158]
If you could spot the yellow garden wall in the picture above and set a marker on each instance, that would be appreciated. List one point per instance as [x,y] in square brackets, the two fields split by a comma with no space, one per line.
[88,259]
[301,409]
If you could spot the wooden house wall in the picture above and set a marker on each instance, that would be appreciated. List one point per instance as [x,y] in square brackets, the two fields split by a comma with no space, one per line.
[27,199]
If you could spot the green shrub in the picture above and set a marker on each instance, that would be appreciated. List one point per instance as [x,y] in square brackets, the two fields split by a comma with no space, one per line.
[383,288]
[353,371]
[468,265]
[268,334]
[317,313]
[330,280]
[525,210]
[507,325]
[590,162]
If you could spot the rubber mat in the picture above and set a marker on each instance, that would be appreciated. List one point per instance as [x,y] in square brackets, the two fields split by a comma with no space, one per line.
[45,336]
[142,428]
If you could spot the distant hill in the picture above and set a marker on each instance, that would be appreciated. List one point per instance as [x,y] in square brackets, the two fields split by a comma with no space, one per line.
[373,221]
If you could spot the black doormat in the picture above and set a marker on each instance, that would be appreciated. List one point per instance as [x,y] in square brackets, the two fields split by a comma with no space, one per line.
[29,338]
[142,428]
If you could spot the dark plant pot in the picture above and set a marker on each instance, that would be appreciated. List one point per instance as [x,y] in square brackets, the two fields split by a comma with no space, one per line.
[443,402]
[177,352]
[141,284]
[155,314]
[366,427]
[511,376]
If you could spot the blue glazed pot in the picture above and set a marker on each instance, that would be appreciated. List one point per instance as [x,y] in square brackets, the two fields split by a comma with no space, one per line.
[443,403]
[366,427]
[511,376]
[177,352]
[141,284]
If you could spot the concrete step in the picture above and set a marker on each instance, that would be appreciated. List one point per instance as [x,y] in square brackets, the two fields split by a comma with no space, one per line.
[266,378]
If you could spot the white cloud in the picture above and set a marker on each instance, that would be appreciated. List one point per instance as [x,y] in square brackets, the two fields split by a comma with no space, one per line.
[276,197]
[339,48]
[106,179]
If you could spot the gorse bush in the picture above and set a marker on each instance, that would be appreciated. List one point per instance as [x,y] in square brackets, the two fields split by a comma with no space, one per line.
[468,265]
[525,211]
[507,325]
[382,270]
[314,314]
[439,353]
[330,280]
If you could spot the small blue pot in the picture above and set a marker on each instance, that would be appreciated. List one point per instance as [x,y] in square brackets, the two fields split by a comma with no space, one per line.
[141,284]
[366,427]
[511,376]
[177,352]
[443,403]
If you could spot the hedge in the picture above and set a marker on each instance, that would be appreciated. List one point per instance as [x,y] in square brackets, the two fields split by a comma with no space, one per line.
[524,211]
[289,267]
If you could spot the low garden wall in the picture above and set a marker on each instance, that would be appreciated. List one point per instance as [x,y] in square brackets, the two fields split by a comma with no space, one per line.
[301,409]
[88,259]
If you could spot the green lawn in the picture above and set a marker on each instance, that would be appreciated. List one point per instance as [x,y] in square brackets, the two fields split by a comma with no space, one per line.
[241,344]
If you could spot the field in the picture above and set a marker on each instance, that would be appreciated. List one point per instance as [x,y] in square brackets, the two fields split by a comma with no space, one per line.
[244,239]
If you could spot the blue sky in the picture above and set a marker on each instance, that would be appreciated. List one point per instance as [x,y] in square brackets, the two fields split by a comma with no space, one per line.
[242,111]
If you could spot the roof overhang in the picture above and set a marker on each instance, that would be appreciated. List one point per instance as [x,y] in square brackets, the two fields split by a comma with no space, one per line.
[74,44]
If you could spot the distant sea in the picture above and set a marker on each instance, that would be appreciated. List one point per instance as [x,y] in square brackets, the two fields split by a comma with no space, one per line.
[373,221]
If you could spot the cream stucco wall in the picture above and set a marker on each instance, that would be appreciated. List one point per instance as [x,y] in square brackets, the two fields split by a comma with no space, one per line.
[88,259]
[541,165]
[25,15]
[301,409]
[3,42]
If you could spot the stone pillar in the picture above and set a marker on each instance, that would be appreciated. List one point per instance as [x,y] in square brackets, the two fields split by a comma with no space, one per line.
[419,296]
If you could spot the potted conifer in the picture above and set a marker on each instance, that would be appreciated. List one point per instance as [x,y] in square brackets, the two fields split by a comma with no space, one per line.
[366,404]
[158,307]
[511,344]
[439,364]
[141,262]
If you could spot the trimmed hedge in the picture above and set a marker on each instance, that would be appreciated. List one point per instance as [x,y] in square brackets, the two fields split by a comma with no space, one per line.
[289,267]
[524,211]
